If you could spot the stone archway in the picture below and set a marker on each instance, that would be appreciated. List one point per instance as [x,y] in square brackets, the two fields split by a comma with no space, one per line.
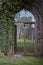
[37,11]
[34,6]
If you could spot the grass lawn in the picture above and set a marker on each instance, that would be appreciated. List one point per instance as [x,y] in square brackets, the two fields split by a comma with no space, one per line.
[28,45]
[21,41]
[26,60]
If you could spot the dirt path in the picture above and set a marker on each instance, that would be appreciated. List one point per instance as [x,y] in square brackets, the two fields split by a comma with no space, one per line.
[18,55]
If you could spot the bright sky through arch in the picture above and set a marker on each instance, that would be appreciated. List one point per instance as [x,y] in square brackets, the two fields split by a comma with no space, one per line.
[25,13]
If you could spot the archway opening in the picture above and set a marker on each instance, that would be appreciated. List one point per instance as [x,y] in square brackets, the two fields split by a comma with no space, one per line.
[25,22]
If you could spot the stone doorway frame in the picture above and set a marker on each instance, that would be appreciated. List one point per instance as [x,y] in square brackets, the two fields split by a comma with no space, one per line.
[15,37]
[37,10]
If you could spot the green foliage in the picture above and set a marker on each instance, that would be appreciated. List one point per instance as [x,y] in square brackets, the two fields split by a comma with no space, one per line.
[5,49]
[6,38]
